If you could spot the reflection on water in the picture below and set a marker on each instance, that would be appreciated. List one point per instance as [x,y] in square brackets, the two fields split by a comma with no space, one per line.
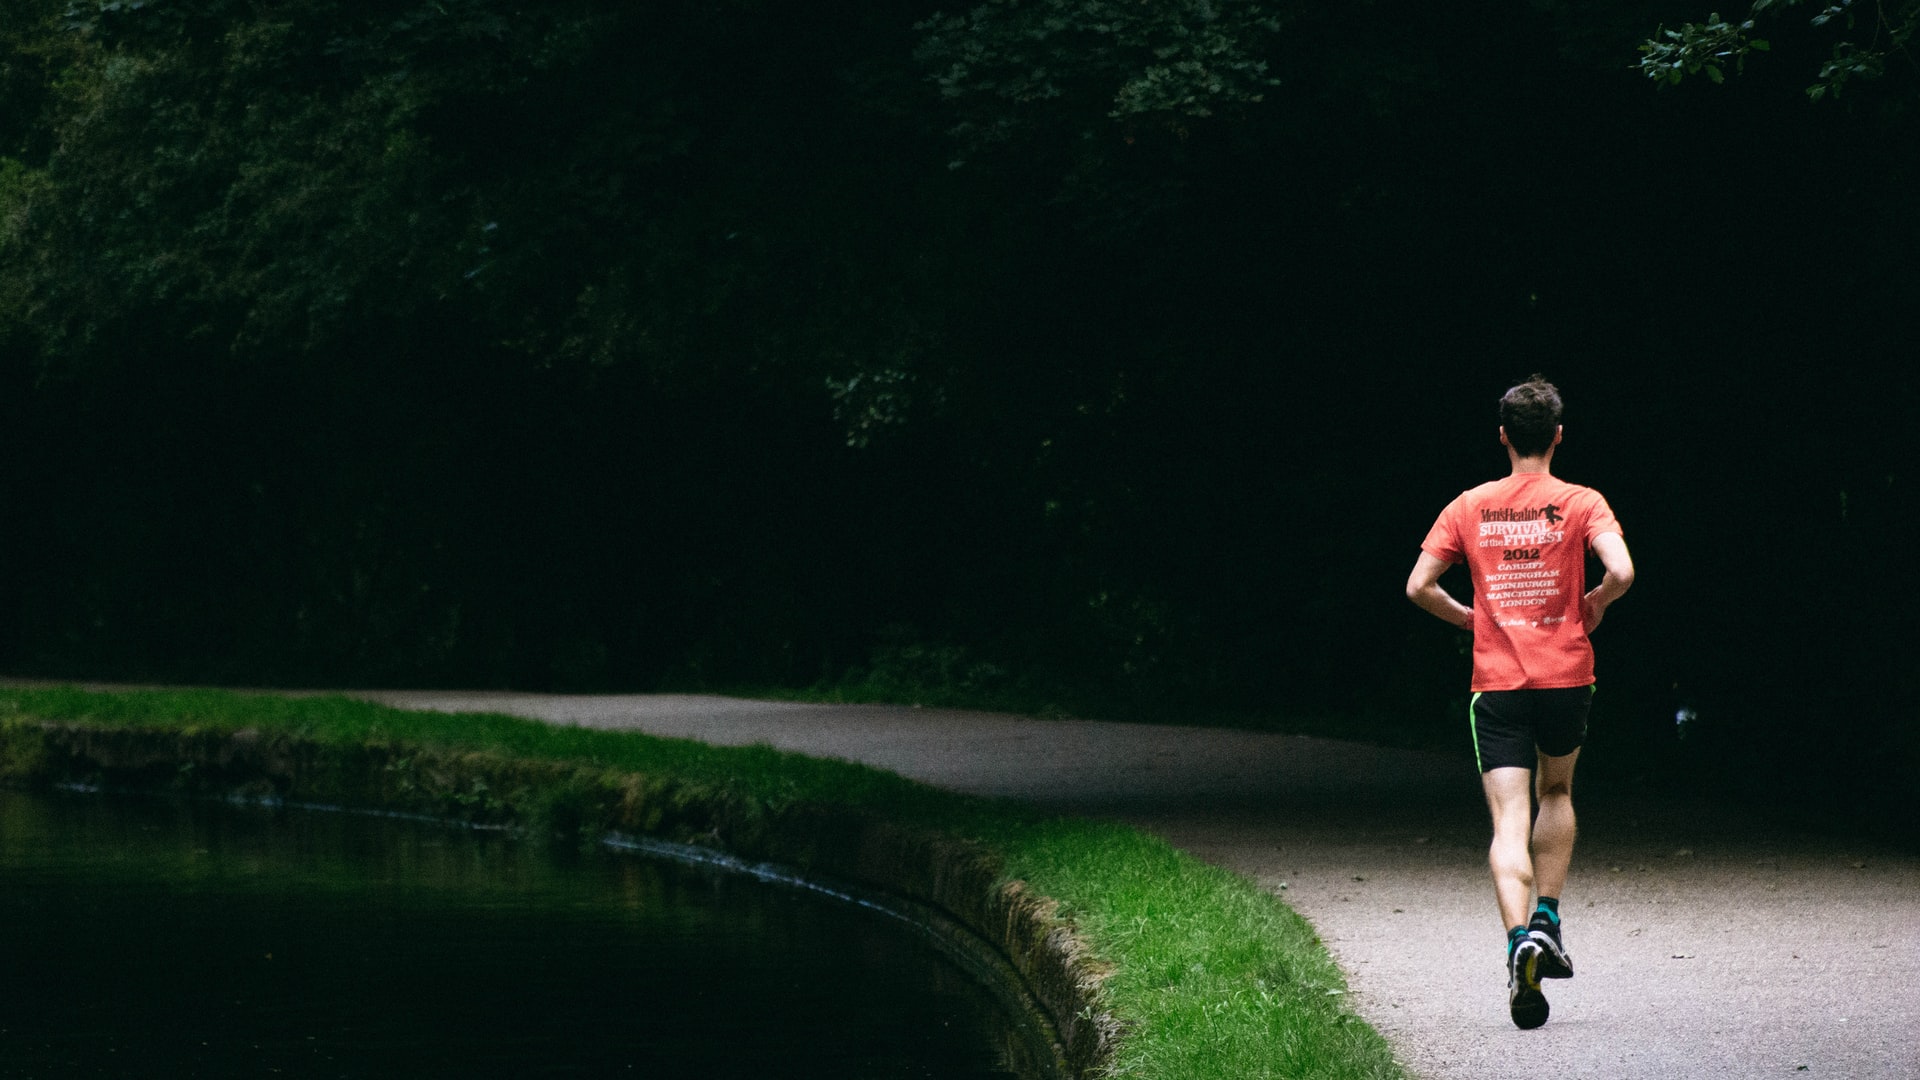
[154,938]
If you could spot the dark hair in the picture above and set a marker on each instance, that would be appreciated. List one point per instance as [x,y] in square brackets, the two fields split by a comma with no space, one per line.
[1531,414]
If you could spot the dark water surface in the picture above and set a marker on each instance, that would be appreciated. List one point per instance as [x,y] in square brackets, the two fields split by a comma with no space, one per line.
[155,938]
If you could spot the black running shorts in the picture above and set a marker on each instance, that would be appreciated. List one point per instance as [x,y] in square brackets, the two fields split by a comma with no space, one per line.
[1509,726]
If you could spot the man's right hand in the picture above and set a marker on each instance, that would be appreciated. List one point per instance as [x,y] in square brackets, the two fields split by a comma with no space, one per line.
[1619,578]
[1592,610]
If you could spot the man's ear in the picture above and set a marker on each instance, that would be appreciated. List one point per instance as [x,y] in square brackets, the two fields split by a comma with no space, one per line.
[1503,436]
[1558,430]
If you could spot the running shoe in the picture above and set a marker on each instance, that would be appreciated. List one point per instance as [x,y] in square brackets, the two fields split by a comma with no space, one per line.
[1525,1003]
[1555,961]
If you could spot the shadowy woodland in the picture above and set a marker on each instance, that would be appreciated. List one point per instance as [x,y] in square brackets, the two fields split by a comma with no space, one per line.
[1061,354]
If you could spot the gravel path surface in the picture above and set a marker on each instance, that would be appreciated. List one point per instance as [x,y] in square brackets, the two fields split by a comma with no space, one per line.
[1706,945]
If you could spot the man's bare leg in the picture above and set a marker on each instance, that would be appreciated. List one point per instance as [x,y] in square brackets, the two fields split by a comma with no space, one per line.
[1553,835]
[1510,800]
[1553,827]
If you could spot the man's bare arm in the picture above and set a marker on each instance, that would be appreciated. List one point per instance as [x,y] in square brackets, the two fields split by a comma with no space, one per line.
[1423,588]
[1612,551]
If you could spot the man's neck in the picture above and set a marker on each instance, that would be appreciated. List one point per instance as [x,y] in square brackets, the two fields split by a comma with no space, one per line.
[1522,466]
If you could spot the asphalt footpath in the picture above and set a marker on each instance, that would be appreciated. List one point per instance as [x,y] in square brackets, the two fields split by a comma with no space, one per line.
[1705,943]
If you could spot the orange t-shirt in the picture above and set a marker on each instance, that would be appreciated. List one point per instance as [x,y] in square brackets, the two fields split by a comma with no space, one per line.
[1525,540]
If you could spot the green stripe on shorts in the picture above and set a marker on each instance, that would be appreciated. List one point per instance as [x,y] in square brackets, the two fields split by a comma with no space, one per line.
[1473,727]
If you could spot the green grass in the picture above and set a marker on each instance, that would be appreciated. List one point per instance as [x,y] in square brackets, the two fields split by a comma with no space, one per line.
[1213,978]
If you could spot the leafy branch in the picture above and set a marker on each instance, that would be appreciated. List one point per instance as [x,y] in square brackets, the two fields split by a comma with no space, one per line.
[1003,62]
[1710,47]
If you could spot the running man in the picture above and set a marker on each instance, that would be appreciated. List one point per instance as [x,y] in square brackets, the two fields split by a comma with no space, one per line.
[1525,540]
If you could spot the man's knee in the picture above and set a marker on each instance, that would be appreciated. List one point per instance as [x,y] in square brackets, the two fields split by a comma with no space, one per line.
[1553,777]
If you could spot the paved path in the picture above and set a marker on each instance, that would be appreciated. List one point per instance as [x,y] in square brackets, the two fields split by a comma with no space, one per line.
[1706,945]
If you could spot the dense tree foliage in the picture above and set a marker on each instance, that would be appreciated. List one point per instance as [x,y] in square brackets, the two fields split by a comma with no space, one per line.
[1110,355]
[1871,37]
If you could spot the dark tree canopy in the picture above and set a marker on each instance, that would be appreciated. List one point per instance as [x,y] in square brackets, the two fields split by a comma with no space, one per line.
[1106,356]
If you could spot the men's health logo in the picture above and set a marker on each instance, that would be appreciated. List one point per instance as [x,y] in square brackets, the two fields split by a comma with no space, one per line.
[1549,513]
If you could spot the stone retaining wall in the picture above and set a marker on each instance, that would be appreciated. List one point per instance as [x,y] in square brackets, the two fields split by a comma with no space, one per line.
[942,876]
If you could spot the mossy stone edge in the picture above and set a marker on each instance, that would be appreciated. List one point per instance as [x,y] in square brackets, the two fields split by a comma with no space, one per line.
[935,875]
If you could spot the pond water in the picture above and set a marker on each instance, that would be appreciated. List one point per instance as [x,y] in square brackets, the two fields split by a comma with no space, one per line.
[160,938]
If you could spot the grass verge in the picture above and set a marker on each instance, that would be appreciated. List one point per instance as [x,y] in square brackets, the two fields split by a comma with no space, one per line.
[1209,977]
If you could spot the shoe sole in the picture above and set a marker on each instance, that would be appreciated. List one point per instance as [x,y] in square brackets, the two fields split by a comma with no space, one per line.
[1525,1003]
[1554,961]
